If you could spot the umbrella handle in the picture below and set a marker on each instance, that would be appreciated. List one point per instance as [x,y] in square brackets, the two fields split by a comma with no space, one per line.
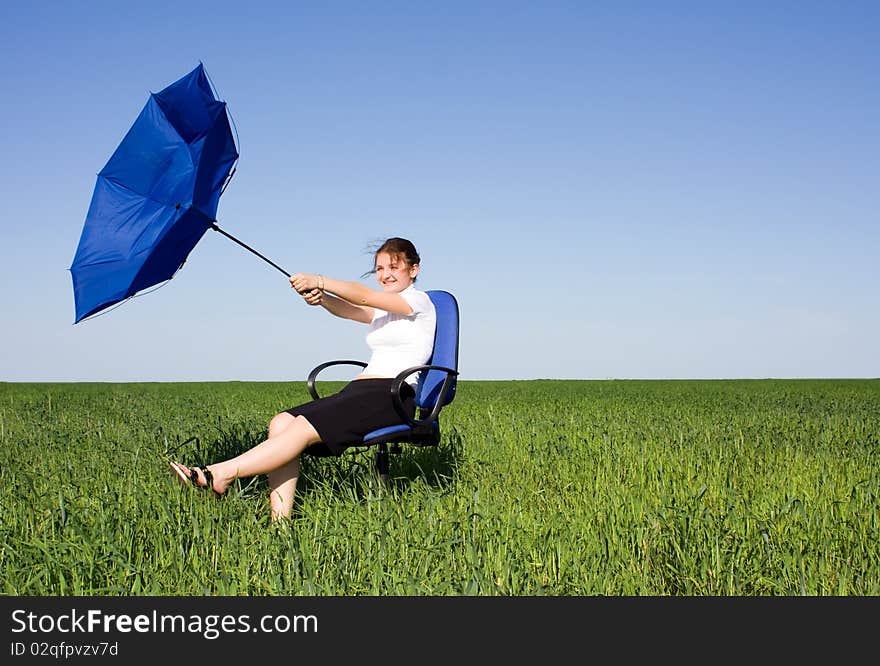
[247,247]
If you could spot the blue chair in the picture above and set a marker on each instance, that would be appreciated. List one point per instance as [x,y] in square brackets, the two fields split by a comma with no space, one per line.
[435,388]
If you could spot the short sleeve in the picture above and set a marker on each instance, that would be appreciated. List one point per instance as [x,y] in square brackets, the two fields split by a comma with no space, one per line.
[418,300]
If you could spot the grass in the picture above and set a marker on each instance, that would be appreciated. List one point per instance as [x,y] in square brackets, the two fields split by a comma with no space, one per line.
[551,487]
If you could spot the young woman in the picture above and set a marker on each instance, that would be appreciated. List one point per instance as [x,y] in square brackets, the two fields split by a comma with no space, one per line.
[401,323]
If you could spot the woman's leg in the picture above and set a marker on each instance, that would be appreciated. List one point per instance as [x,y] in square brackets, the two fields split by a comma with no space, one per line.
[282,481]
[277,456]
[282,487]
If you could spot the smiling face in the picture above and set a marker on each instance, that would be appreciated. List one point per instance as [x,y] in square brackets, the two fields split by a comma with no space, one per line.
[393,273]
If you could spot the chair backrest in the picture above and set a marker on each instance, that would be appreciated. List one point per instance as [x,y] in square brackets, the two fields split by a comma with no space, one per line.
[445,351]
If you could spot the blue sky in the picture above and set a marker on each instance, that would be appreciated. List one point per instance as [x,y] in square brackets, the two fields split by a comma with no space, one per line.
[612,189]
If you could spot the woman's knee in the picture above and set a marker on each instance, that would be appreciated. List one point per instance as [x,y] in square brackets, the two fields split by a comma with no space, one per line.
[279,422]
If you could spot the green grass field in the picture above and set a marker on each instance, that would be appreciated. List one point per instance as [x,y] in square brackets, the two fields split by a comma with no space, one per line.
[733,487]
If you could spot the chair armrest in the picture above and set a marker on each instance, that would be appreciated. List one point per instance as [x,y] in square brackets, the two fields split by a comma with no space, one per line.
[398,403]
[313,375]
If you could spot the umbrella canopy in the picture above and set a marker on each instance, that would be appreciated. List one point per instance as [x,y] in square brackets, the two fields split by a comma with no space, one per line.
[156,196]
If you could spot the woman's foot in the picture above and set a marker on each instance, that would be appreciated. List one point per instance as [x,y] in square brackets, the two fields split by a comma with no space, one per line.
[200,476]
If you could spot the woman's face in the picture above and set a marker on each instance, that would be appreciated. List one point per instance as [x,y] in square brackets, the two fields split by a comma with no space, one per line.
[393,273]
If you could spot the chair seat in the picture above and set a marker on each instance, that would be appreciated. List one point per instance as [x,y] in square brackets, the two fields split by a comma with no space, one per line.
[418,436]
[384,432]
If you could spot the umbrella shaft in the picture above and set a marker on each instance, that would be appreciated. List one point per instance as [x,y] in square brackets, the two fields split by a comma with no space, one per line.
[247,247]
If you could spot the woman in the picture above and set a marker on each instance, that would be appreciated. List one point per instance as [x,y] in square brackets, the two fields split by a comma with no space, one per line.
[401,323]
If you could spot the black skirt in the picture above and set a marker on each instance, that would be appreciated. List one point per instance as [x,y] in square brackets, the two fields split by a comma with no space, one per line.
[362,406]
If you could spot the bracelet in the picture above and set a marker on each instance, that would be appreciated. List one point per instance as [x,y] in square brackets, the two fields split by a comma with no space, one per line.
[321,282]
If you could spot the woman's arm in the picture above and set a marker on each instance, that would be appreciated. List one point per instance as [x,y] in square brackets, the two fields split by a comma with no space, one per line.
[353,293]
[342,308]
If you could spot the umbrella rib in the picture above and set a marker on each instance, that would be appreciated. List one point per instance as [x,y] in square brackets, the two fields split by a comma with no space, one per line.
[125,300]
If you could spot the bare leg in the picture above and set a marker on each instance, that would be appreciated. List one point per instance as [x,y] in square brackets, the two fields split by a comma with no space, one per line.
[277,456]
[282,481]
[282,486]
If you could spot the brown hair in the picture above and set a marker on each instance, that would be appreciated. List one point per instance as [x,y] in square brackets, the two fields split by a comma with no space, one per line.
[397,248]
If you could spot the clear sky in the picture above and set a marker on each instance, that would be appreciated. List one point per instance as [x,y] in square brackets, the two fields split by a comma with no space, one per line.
[611,189]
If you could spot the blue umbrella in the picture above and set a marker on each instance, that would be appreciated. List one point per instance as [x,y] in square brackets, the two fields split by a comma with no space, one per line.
[156,196]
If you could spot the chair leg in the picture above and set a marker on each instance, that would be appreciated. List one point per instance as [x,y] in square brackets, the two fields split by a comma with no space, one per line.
[382,463]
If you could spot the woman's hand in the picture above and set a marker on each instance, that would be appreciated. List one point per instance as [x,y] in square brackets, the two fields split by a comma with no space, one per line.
[304,282]
[313,296]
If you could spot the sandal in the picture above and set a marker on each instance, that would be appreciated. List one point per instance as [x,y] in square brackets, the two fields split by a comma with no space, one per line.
[193,477]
